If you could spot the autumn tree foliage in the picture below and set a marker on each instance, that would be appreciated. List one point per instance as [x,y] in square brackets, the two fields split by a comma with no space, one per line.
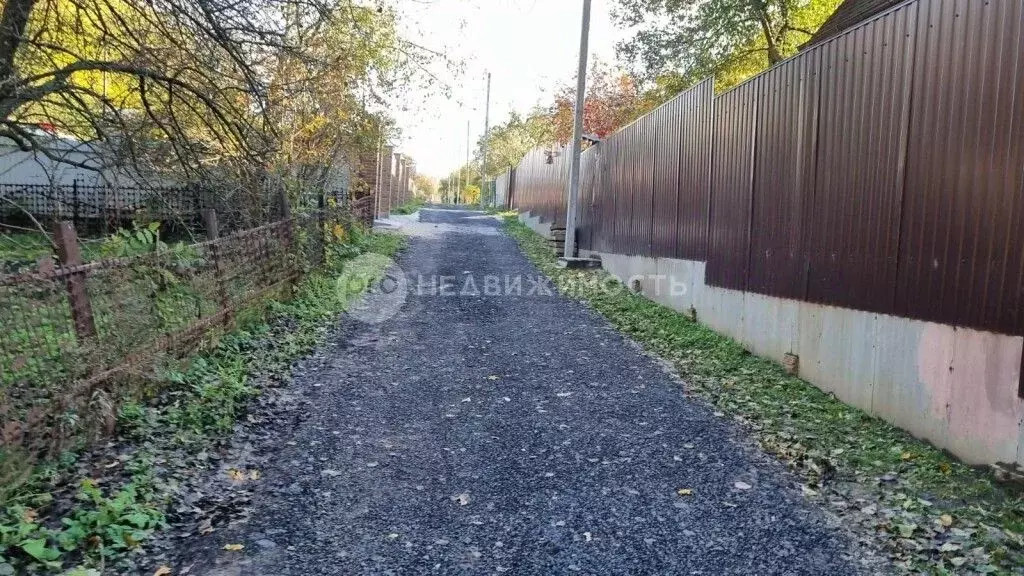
[613,99]
[211,91]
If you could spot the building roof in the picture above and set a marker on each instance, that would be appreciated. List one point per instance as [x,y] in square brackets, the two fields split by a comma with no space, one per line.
[847,15]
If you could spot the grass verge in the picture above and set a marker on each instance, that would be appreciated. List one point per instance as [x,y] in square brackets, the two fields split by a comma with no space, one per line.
[409,207]
[930,513]
[74,517]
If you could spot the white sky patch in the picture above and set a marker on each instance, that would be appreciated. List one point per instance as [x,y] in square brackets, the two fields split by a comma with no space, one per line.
[529,46]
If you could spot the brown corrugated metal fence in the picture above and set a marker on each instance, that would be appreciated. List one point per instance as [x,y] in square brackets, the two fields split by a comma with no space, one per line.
[881,170]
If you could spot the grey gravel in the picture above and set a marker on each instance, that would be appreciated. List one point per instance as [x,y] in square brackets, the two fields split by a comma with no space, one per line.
[510,434]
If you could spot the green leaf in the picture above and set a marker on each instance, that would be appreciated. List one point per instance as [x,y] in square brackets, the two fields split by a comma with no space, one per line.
[38,549]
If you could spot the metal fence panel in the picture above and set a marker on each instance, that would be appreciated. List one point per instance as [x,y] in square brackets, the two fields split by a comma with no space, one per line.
[667,122]
[784,147]
[696,120]
[603,233]
[642,212]
[961,255]
[585,206]
[731,181]
[865,100]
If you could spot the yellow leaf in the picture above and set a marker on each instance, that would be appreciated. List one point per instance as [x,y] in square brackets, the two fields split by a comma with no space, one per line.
[906,456]
[684,492]
[29,515]
[162,571]
[236,475]
[946,520]
[234,547]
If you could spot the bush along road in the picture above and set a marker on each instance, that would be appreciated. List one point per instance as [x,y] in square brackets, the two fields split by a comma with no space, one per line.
[488,424]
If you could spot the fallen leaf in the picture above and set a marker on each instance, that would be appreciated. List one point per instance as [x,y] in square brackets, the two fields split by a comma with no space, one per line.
[949,547]
[234,547]
[493,377]
[206,526]
[254,474]
[743,486]
[906,530]
[906,456]
[29,515]
[946,520]
[685,492]
[162,571]
[462,499]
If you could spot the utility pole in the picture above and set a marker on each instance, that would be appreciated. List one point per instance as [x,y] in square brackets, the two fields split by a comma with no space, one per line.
[466,166]
[577,136]
[487,129]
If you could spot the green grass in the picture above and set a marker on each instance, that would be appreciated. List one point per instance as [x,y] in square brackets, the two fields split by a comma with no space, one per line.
[930,513]
[199,402]
[25,248]
[410,207]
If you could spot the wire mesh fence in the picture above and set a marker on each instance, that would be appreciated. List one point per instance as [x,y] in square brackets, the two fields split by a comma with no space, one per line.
[73,328]
[104,208]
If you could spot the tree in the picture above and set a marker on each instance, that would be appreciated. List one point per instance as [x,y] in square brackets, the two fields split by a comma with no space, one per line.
[231,94]
[508,142]
[731,39]
[612,100]
[427,186]
[470,194]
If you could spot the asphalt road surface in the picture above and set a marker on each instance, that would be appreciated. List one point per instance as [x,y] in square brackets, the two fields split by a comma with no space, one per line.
[510,432]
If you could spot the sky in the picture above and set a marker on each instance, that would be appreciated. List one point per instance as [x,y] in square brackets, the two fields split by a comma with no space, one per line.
[529,46]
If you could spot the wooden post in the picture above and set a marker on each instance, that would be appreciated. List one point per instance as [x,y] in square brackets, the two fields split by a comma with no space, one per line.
[288,234]
[322,224]
[210,223]
[78,297]
[213,233]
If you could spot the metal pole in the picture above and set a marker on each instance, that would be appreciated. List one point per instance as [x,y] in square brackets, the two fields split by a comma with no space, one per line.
[577,136]
[466,166]
[487,129]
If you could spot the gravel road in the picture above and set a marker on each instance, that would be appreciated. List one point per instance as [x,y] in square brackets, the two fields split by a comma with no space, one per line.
[515,434]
